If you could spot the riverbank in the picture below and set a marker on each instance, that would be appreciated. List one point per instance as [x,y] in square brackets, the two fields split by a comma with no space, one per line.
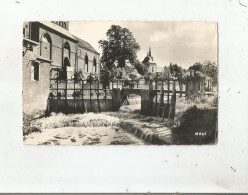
[95,129]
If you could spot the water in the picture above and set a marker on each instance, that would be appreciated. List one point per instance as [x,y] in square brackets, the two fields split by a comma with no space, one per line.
[83,136]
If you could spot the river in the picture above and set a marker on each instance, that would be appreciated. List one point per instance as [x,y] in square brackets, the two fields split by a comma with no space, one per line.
[83,136]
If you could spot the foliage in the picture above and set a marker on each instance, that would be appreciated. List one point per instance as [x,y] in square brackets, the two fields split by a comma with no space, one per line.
[27,127]
[107,76]
[133,76]
[120,46]
[196,67]
[77,76]
[176,71]
[126,72]
[129,71]
[205,69]
[149,76]
[141,68]
[127,83]
[210,69]
[91,78]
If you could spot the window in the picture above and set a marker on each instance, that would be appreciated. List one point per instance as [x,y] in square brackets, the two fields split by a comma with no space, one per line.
[152,69]
[79,53]
[26,29]
[64,24]
[94,64]
[86,62]
[35,71]
[46,46]
[67,50]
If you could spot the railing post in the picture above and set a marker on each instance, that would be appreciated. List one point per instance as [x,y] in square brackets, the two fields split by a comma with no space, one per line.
[98,102]
[105,98]
[90,92]
[83,96]
[57,80]
[168,90]
[74,95]
[162,100]
[66,96]
[156,87]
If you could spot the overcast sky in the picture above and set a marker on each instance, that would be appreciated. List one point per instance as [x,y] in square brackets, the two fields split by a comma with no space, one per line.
[183,43]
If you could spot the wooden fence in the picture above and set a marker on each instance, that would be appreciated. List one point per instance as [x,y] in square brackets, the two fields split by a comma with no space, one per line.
[78,95]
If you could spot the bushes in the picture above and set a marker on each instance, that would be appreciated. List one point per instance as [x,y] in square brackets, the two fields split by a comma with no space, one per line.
[196,121]
[27,128]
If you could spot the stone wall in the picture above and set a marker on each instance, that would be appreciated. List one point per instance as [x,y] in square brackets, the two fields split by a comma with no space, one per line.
[35,93]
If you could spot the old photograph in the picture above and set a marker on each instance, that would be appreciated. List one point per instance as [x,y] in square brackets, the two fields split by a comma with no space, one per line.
[120,83]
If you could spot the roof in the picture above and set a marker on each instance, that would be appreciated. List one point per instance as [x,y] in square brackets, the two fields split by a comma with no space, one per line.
[65,32]
[58,29]
[85,44]
[148,59]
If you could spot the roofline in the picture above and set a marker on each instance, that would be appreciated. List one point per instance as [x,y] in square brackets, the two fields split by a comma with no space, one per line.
[88,49]
[74,39]
[57,31]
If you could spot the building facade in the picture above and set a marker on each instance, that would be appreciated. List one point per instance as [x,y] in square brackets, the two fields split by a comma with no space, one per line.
[150,62]
[48,49]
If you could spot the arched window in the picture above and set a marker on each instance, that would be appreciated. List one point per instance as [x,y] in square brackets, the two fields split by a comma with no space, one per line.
[64,68]
[67,50]
[94,64]
[86,62]
[46,46]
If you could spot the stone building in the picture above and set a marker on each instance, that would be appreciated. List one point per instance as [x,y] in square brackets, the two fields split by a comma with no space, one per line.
[150,62]
[48,49]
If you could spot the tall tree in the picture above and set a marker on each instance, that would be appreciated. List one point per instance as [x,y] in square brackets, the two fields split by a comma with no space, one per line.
[119,47]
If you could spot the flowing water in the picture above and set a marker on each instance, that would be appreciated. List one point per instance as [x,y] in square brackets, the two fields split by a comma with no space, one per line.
[85,129]
[83,136]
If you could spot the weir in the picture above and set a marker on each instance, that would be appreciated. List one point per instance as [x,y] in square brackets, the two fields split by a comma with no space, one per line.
[158,96]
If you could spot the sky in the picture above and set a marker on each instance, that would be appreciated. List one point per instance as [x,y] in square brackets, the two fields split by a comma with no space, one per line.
[183,43]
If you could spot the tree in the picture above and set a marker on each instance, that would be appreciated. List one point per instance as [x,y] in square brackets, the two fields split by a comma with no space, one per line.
[149,76]
[206,69]
[210,70]
[106,76]
[176,71]
[197,67]
[141,68]
[119,47]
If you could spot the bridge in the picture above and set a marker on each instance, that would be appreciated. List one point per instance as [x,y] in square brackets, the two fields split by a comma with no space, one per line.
[80,96]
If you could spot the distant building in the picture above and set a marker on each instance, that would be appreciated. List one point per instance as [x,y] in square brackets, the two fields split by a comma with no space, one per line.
[150,62]
[50,46]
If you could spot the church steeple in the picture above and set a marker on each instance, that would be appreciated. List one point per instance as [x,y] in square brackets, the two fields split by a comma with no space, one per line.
[150,53]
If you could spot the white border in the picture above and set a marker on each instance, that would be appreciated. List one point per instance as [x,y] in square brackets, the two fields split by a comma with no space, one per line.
[128,168]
